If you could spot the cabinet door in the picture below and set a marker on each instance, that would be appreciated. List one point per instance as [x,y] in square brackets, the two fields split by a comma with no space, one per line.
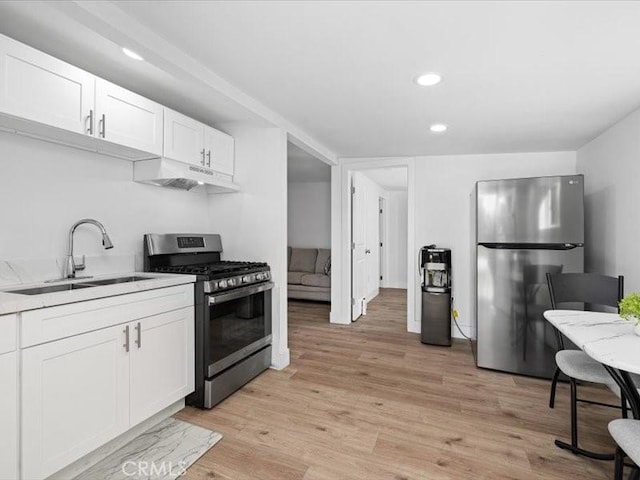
[183,138]
[128,119]
[219,151]
[162,362]
[36,86]
[8,417]
[75,399]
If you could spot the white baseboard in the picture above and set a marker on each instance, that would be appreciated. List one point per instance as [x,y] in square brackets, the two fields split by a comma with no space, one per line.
[99,454]
[466,329]
[280,360]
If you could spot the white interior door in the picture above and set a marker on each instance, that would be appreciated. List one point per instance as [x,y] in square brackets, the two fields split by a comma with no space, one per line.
[358,246]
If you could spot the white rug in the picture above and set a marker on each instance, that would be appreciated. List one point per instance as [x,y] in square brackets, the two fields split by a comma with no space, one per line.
[163,452]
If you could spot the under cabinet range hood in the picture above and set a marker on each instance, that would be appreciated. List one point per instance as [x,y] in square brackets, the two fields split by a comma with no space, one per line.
[165,172]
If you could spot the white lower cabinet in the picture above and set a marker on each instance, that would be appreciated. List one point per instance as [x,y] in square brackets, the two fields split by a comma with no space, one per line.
[8,416]
[162,362]
[82,391]
[75,398]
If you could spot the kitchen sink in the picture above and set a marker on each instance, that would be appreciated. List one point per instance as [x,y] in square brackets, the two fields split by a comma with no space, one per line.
[75,286]
[50,289]
[114,281]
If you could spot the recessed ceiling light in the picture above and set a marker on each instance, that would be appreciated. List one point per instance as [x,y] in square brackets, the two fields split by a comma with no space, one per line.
[200,183]
[429,79]
[438,128]
[131,54]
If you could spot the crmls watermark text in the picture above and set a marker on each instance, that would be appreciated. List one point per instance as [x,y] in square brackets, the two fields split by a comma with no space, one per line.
[153,469]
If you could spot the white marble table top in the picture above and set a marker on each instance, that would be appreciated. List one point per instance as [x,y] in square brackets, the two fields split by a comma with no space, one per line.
[605,337]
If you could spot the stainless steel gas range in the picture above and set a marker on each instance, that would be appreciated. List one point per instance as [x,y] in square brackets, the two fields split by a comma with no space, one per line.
[232,311]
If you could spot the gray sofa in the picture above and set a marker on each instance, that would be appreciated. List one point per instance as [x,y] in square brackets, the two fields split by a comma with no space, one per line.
[309,274]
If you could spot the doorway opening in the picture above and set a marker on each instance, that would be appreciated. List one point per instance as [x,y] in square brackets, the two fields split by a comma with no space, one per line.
[308,227]
[379,234]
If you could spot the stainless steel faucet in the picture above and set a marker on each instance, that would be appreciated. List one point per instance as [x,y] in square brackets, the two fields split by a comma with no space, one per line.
[71,266]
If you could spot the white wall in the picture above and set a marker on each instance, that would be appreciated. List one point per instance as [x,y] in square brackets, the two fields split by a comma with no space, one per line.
[395,268]
[611,166]
[45,188]
[439,211]
[253,222]
[443,213]
[309,214]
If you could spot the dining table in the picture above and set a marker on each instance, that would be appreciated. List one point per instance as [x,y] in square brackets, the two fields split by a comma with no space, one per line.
[608,339]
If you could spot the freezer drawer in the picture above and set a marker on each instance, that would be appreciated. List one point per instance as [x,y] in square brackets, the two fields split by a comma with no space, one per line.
[542,210]
[511,296]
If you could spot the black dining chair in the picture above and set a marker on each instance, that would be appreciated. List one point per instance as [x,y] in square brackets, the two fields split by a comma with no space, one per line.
[582,291]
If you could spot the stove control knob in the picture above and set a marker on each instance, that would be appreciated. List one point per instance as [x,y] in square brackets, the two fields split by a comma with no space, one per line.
[260,277]
[231,282]
[246,279]
[267,275]
[222,284]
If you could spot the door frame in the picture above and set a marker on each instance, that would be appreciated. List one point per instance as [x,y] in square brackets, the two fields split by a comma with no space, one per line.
[341,175]
[382,229]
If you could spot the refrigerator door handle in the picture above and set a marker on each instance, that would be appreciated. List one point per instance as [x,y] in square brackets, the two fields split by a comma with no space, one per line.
[531,246]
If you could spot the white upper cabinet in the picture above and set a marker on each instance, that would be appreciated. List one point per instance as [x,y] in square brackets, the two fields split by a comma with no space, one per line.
[219,151]
[128,119]
[49,99]
[189,141]
[183,138]
[38,87]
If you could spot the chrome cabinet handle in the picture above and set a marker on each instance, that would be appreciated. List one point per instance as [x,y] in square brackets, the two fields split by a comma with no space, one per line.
[103,126]
[139,331]
[126,338]
[202,153]
[209,158]
[90,129]
[367,251]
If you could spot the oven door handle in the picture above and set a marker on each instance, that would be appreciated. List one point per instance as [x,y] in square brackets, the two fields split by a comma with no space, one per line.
[239,293]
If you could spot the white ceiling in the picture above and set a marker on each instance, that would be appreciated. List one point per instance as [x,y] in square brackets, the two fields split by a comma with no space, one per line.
[302,167]
[389,178]
[518,76]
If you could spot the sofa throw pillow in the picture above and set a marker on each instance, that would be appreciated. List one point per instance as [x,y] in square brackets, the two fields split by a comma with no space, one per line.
[303,260]
[321,262]
[327,266]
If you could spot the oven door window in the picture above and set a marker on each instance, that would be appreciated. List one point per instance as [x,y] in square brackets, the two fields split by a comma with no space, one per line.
[236,324]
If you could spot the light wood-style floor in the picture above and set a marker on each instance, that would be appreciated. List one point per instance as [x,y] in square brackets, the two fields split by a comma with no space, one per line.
[369,401]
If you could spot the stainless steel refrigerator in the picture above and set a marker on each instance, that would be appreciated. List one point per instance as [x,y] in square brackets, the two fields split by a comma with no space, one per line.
[524,228]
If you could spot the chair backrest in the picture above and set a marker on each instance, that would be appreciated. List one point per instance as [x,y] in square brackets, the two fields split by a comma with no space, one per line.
[587,288]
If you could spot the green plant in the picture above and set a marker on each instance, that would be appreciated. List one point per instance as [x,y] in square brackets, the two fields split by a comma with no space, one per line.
[630,307]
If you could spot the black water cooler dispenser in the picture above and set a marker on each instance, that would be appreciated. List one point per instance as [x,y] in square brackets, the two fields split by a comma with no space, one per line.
[435,265]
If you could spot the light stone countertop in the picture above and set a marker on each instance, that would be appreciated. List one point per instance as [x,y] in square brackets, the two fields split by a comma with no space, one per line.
[605,337]
[15,302]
